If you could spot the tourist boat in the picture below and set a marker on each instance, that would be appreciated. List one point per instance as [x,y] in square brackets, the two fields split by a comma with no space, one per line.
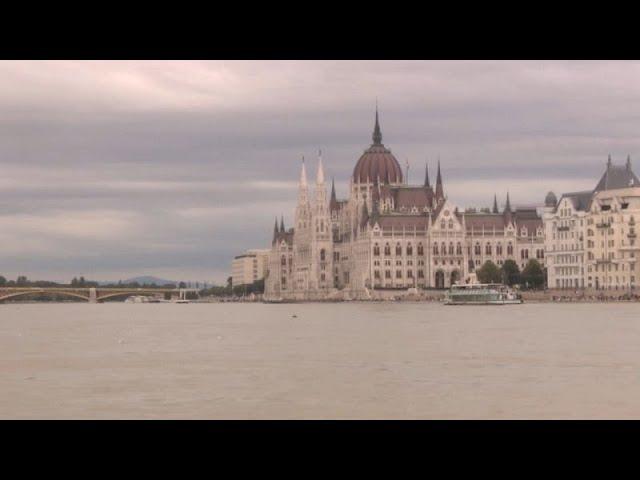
[482,294]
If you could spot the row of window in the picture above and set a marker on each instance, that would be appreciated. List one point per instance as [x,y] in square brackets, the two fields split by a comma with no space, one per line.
[387,274]
[387,249]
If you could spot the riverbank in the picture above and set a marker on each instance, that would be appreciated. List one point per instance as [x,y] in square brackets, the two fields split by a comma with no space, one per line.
[426,296]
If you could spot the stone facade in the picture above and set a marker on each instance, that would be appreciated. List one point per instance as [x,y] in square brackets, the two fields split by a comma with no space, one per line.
[389,235]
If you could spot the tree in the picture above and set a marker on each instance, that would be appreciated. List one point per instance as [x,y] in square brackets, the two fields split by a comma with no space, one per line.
[182,285]
[3,281]
[533,275]
[489,273]
[510,272]
[22,281]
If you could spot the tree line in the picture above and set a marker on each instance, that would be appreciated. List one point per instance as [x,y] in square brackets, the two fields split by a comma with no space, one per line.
[532,275]
[229,289]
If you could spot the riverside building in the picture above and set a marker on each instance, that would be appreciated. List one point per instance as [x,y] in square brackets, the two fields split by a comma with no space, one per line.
[591,235]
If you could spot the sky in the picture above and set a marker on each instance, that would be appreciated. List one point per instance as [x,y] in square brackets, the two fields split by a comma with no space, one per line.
[113,169]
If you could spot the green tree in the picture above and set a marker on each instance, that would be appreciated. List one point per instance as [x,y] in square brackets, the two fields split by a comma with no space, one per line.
[489,273]
[510,272]
[533,275]
[3,281]
[22,281]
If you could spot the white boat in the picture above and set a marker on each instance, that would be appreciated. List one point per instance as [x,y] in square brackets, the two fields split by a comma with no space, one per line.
[482,294]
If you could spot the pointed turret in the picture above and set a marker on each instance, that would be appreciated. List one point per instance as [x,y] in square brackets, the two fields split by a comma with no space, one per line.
[609,161]
[333,203]
[495,204]
[439,189]
[629,163]
[275,231]
[320,174]
[377,134]
[507,211]
[426,174]
[282,224]
[303,175]
[303,189]
[507,206]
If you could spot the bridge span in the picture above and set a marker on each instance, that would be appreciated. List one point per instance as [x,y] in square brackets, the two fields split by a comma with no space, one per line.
[91,294]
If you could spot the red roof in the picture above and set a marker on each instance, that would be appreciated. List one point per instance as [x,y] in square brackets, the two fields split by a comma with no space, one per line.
[377,162]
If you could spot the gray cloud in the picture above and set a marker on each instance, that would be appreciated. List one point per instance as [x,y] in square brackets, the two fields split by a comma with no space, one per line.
[111,169]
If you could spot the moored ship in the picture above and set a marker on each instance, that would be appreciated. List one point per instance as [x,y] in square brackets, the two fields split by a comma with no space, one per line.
[482,294]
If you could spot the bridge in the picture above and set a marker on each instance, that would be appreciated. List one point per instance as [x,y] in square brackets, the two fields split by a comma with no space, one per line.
[91,294]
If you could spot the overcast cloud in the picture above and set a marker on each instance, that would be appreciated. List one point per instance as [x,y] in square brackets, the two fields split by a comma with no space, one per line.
[116,169]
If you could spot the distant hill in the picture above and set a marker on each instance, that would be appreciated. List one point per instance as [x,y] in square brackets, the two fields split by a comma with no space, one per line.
[149,280]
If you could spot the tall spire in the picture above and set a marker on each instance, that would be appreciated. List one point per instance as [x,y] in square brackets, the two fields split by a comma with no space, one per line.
[629,163]
[333,190]
[495,203]
[282,224]
[609,161]
[507,206]
[439,189]
[377,134]
[320,175]
[275,230]
[303,174]
[426,174]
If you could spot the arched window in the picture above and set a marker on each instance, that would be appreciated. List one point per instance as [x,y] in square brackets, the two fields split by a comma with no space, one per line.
[451,248]
[409,249]
[435,249]
[487,249]
[509,249]
[499,249]
[376,250]
[477,249]
[450,224]
[458,249]
[420,249]
[283,260]
[322,255]
[443,248]
[442,224]
[398,249]
[387,249]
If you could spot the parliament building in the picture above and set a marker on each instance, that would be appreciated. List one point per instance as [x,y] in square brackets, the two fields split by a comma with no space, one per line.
[390,235]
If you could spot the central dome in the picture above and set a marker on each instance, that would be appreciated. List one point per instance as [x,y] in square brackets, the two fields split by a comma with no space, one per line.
[377,162]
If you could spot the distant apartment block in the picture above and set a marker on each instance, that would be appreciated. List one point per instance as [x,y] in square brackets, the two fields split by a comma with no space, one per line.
[249,267]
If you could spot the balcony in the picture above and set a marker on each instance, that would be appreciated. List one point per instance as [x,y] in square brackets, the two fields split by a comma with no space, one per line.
[603,225]
[563,229]
[602,261]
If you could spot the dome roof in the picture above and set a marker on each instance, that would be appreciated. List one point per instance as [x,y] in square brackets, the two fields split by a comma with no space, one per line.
[377,162]
[550,200]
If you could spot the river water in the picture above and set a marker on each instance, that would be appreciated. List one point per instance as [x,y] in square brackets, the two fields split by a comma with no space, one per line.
[349,360]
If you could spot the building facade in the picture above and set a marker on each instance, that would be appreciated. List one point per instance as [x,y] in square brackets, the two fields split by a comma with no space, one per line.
[249,267]
[590,235]
[390,235]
